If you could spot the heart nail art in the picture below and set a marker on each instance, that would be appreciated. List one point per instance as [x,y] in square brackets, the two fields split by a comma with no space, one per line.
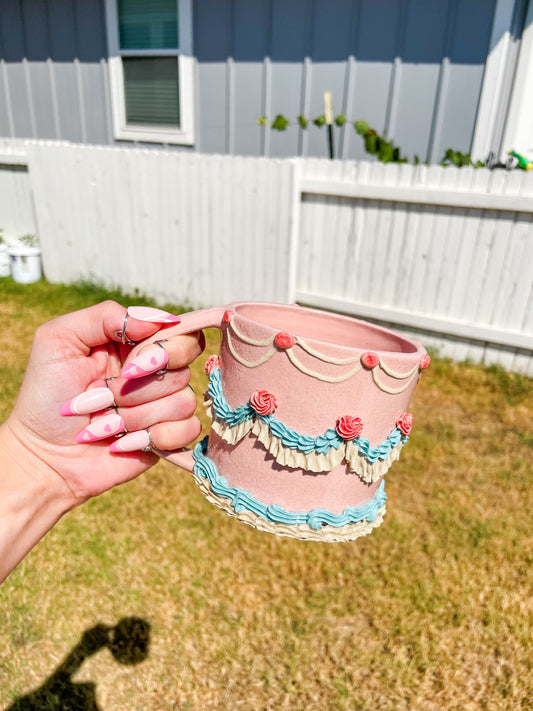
[150,361]
[101,428]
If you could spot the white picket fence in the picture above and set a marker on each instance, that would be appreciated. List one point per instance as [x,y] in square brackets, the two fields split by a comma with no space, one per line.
[443,253]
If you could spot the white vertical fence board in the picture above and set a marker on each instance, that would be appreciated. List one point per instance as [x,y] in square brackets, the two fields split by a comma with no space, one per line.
[346,231]
[16,201]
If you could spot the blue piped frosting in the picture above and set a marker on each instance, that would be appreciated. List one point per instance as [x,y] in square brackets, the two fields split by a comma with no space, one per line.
[243,501]
[289,437]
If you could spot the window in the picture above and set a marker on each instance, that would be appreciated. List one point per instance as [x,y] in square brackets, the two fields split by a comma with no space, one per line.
[151,69]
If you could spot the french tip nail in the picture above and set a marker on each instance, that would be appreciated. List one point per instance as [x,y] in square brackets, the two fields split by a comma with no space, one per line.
[130,371]
[114,447]
[149,313]
[65,409]
[101,428]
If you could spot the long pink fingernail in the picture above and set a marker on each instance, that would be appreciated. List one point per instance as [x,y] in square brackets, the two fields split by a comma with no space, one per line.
[131,442]
[148,313]
[101,428]
[89,401]
[148,362]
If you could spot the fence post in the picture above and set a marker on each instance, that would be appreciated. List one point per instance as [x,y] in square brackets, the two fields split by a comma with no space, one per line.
[294,228]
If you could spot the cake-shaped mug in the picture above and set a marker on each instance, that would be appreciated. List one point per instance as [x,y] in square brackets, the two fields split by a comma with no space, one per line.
[309,410]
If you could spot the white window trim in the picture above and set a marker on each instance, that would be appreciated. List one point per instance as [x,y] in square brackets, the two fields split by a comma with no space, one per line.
[121,131]
[493,86]
[518,133]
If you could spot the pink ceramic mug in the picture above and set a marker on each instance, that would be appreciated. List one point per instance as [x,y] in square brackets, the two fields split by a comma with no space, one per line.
[309,410]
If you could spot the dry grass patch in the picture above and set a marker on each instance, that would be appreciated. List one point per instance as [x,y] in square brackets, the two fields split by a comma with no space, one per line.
[432,611]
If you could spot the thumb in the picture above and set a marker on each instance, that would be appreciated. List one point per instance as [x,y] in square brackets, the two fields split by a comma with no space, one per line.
[96,325]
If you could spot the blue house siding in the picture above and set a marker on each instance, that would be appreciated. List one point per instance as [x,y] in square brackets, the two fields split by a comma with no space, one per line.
[413,68]
[53,72]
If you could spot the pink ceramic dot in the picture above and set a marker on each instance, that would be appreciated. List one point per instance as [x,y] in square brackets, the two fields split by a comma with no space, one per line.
[212,363]
[425,361]
[405,423]
[284,340]
[370,360]
[228,315]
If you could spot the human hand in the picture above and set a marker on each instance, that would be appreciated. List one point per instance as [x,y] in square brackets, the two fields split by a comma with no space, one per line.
[80,352]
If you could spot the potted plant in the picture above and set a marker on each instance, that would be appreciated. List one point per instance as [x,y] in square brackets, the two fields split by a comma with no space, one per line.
[25,254]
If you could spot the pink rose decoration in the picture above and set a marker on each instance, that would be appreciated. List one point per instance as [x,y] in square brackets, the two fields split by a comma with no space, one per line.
[284,340]
[212,363]
[263,402]
[370,360]
[405,423]
[349,427]
[425,361]
[228,315]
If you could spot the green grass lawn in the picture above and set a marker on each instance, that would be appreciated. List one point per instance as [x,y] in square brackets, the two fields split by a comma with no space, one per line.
[432,611]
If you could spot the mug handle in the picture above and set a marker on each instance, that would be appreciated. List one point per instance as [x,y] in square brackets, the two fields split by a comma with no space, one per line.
[190,322]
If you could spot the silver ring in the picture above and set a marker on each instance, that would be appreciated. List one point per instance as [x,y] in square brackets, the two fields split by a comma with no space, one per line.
[149,447]
[114,406]
[162,370]
[122,334]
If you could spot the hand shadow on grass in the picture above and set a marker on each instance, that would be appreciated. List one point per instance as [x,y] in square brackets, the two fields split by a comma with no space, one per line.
[128,642]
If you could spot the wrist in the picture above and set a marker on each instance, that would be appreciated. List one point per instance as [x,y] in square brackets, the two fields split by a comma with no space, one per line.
[32,499]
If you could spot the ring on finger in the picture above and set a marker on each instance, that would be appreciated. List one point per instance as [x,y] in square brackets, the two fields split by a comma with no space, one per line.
[114,406]
[139,440]
[159,343]
[122,334]
[150,447]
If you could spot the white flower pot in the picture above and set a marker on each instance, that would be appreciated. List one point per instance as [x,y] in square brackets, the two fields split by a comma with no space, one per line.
[25,263]
[5,269]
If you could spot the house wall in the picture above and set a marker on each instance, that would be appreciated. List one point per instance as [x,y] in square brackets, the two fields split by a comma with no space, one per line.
[411,67]
[53,71]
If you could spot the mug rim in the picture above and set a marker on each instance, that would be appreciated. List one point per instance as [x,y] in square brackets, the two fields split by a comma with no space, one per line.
[412,347]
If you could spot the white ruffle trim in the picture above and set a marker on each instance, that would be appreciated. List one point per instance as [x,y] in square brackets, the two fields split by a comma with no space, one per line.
[369,472]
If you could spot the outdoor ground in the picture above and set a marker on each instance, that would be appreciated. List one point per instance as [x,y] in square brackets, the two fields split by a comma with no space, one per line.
[433,611]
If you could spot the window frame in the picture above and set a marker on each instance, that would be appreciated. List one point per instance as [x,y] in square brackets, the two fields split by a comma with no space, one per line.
[184,134]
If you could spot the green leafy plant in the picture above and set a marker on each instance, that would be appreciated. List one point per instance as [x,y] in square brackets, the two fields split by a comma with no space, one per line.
[385,151]
[280,123]
[375,144]
[459,160]
[29,240]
